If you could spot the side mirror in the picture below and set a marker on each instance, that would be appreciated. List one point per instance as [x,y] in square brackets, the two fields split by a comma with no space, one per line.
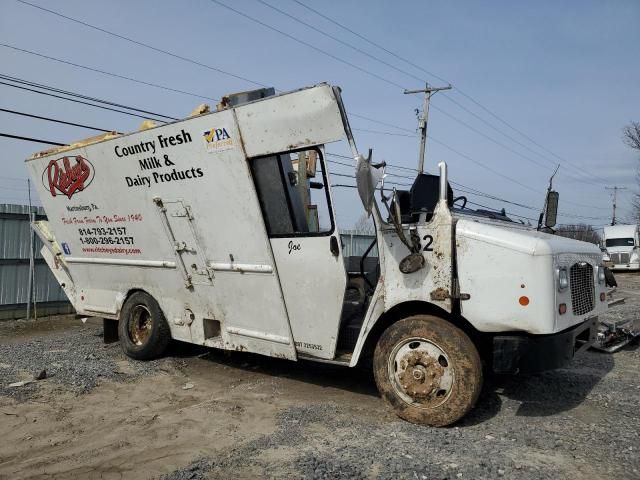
[551,214]
[367,178]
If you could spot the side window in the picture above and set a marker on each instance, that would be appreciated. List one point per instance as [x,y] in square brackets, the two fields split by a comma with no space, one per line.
[293,193]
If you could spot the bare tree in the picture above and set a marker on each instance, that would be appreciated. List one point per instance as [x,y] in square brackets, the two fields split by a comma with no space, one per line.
[631,137]
[364,225]
[582,232]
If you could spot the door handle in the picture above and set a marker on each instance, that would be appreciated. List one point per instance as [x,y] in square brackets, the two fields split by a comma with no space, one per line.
[333,246]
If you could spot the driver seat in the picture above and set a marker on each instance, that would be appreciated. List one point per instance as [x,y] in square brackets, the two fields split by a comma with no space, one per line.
[424,195]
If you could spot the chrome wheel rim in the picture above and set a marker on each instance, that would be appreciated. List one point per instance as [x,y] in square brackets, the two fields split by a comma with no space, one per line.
[140,324]
[421,373]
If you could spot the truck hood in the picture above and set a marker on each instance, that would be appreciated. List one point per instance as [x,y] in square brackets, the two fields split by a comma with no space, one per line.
[522,238]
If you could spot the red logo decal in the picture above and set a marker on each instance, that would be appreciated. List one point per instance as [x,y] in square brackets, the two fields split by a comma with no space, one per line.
[67,175]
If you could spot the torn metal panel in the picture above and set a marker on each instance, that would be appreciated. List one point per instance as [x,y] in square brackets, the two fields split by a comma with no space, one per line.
[313,118]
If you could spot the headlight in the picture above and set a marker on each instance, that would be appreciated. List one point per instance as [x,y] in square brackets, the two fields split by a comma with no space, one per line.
[601,277]
[563,278]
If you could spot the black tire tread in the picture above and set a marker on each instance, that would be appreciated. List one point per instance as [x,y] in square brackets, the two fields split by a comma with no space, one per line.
[459,347]
[160,335]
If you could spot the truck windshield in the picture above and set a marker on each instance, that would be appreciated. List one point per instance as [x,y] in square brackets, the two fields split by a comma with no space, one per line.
[620,242]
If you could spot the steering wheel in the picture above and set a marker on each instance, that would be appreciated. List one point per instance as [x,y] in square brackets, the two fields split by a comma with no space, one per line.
[462,197]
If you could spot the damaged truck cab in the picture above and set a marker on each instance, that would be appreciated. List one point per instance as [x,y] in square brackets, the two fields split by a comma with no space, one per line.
[220,230]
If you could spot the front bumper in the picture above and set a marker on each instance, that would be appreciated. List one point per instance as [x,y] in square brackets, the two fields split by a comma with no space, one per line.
[537,353]
[626,266]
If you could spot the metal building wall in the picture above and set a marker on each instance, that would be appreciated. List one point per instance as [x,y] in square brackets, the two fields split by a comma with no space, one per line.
[354,244]
[14,264]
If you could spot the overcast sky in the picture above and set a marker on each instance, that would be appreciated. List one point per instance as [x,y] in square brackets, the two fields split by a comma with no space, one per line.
[565,74]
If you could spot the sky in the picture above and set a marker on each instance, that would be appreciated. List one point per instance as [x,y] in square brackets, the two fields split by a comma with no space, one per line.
[535,84]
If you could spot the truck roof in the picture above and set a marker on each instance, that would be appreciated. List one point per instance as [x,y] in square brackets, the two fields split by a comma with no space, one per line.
[618,231]
[201,110]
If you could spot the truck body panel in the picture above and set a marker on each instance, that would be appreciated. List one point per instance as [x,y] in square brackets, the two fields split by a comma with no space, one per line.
[506,271]
[173,211]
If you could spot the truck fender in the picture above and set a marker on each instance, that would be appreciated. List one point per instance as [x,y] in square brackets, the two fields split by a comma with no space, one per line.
[369,337]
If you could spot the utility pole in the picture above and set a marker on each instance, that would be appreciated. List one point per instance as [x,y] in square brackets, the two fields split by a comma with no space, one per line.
[424,117]
[615,198]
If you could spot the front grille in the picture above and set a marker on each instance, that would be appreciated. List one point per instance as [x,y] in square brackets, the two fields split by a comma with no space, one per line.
[620,258]
[581,282]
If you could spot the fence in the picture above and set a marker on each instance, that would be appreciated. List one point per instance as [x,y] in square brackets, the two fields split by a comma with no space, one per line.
[14,268]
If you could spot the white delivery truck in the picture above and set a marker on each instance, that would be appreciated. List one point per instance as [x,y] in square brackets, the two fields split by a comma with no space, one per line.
[219,230]
[623,246]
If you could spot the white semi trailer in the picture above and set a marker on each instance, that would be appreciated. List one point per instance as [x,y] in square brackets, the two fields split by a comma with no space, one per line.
[219,230]
[622,243]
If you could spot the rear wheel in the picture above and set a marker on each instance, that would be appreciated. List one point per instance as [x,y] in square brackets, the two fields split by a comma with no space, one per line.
[427,370]
[143,330]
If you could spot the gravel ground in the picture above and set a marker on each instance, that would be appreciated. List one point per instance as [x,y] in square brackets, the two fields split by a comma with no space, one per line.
[100,415]
[77,360]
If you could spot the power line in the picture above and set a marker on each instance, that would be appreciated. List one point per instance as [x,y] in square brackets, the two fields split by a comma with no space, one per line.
[420,79]
[184,58]
[378,132]
[579,169]
[111,74]
[179,91]
[460,187]
[506,177]
[29,139]
[551,162]
[370,41]
[79,95]
[14,112]
[145,45]
[458,90]
[282,33]
[307,44]
[336,39]
[79,101]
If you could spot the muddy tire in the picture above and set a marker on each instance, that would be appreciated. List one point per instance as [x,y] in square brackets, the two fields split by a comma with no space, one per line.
[143,330]
[427,370]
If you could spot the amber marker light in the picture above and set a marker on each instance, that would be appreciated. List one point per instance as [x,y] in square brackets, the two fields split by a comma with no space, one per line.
[562,308]
[524,300]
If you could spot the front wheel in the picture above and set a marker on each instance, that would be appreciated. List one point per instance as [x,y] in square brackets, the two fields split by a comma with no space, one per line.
[427,370]
[143,330]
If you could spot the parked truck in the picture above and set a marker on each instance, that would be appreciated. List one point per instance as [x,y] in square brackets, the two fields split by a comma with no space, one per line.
[622,243]
[220,230]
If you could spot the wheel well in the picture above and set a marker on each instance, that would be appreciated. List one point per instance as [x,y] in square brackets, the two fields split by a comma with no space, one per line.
[128,294]
[407,309]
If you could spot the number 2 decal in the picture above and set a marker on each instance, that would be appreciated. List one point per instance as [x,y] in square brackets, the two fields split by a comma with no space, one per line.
[429,240]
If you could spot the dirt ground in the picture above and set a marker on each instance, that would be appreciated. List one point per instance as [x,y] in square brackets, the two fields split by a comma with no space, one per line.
[207,414]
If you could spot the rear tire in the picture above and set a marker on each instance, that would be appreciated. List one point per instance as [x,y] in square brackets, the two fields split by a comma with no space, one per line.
[143,330]
[427,370]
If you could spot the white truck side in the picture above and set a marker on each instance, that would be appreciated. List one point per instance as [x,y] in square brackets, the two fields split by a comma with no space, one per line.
[208,230]
[623,246]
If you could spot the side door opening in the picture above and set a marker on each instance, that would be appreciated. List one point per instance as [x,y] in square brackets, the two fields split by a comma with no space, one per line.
[296,202]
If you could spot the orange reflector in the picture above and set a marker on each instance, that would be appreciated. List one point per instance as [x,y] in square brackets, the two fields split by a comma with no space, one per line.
[603,296]
[524,301]
[562,308]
